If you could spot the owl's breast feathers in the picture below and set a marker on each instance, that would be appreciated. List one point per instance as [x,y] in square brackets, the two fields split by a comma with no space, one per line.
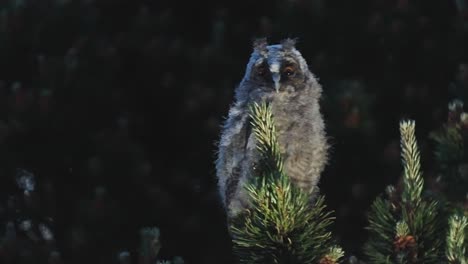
[302,139]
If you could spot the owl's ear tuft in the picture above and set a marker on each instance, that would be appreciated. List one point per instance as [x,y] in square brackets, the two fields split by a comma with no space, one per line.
[289,43]
[260,45]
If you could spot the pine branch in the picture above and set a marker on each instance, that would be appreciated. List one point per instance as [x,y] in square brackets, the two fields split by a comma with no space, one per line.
[413,182]
[282,225]
[450,153]
[265,133]
[379,247]
[456,242]
[449,147]
[406,228]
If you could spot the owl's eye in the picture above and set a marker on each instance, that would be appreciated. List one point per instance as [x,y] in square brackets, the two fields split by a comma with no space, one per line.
[288,70]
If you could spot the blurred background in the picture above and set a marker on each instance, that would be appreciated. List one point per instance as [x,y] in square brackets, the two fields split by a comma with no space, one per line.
[110,111]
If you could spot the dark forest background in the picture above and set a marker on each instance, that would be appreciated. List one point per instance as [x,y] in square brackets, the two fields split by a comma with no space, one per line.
[115,107]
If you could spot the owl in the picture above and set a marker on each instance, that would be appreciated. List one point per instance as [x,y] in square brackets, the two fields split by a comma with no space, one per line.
[279,76]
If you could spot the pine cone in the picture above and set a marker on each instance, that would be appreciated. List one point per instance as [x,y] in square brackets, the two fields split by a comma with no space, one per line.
[404,242]
[407,244]
[327,260]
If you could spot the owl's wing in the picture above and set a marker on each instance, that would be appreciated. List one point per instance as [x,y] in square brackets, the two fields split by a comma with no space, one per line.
[232,154]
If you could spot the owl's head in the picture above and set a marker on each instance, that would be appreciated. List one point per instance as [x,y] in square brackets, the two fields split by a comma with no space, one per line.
[277,68]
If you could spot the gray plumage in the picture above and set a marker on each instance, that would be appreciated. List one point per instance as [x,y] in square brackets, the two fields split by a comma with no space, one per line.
[279,75]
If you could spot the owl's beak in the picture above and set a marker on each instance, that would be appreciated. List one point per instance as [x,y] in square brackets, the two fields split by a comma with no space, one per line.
[276,80]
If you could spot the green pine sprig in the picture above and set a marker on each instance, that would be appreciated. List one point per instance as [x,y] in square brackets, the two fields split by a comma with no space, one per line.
[282,225]
[263,126]
[412,179]
[457,241]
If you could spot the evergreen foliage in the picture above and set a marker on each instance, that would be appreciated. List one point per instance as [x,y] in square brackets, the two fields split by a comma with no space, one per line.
[456,240]
[406,227]
[282,226]
[450,153]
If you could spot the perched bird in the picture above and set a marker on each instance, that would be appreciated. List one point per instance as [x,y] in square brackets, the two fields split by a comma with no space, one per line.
[278,75]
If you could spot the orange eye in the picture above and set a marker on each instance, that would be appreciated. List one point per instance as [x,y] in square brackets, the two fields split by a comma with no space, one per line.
[288,70]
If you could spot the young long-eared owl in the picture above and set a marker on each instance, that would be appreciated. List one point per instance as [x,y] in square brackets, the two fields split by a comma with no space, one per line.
[279,75]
